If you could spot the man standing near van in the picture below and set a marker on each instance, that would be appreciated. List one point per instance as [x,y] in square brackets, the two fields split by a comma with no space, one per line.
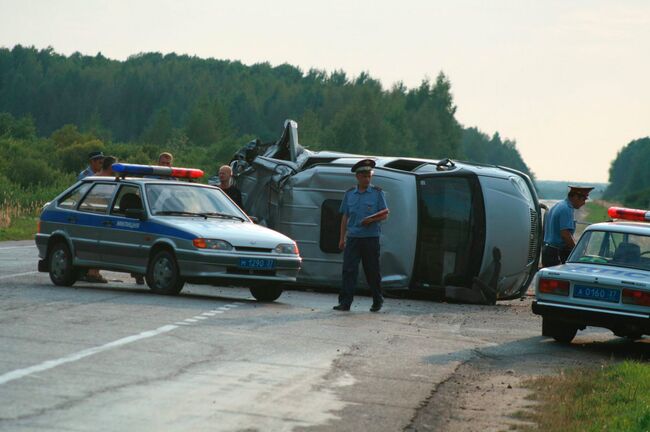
[560,225]
[363,207]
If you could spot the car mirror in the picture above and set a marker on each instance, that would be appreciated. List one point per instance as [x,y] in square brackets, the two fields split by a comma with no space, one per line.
[135,214]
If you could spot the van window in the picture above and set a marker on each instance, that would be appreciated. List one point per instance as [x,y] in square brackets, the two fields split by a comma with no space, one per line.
[330,226]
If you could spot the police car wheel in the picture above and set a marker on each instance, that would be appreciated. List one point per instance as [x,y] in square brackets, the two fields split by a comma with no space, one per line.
[163,276]
[62,272]
[560,331]
[266,293]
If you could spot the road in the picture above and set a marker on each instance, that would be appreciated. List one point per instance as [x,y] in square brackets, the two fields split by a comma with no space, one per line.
[115,357]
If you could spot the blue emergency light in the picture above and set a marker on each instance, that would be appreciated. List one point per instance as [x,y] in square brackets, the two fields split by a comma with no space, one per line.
[155,170]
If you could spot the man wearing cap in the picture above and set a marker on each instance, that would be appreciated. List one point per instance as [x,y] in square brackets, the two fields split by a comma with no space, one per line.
[95,160]
[362,208]
[560,225]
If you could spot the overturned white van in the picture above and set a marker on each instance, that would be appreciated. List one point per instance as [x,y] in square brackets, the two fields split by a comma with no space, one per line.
[461,231]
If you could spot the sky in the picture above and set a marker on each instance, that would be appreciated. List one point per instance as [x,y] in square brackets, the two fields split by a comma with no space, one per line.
[568,80]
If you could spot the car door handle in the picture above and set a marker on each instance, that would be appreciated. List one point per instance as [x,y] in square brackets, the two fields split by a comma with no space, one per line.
[107,223]
[72,219]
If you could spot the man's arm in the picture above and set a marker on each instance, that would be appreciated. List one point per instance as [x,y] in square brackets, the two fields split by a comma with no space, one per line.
[567,238]
[343,231]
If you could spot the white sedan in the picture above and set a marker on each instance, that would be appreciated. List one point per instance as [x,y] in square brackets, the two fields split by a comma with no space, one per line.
[604,283]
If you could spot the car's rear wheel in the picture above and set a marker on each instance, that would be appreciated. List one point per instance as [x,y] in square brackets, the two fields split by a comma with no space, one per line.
[62,272]
[163,275]
[561,331]
[266,293]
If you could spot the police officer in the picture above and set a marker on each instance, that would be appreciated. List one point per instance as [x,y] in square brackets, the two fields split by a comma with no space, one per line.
[362,208]
[95,160]
[560,225]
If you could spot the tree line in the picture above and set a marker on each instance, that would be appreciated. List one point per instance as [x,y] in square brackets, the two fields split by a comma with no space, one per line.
[629,175]
[203,110]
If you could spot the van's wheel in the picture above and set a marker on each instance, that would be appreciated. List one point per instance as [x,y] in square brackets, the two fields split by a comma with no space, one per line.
[163,276]
[562,332]
[62,272]
[266,294]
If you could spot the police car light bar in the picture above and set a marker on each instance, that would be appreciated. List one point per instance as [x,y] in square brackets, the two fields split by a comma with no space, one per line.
[155,170]
[629,214]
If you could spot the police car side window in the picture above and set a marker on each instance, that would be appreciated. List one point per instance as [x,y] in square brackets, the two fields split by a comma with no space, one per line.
[71,200]
[98,199]
[127,198]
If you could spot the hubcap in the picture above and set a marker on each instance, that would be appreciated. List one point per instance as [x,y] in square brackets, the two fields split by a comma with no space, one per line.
[162,273]
[58,264]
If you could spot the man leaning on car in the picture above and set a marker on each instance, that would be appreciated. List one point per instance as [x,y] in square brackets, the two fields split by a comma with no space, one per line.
[560,225]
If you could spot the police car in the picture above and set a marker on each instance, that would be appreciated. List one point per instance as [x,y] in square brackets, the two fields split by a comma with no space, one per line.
[604,283]
[170,231]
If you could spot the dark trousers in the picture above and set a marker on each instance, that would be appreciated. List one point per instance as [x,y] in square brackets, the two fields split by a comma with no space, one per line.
[552,256]
[366,250]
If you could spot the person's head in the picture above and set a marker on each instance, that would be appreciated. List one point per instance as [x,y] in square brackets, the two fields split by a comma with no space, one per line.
[107,165]
[578,195]
[95,160]
[363,172]
[225,174]
[165,159]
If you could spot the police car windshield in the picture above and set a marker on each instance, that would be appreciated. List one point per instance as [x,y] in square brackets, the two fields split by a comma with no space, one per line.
[613,248]
[190,200]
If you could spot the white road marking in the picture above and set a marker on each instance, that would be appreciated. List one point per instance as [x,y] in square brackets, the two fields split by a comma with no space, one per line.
[191,320]
[210,314]
[17,275]
[17,247]
[199,317]
[49,364]
[224,308]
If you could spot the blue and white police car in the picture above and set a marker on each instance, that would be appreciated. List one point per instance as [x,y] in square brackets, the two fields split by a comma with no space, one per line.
[604,283]
[167,230]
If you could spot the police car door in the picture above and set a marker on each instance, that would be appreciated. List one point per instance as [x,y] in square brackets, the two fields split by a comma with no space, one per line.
[90,221]
[123,239]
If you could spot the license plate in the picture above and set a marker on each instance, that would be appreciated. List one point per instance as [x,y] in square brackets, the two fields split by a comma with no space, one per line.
[257,263]
[596,293]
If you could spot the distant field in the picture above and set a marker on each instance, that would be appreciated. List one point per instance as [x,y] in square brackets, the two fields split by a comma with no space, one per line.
[548,189]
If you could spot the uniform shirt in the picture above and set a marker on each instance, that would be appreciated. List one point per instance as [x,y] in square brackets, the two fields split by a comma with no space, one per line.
[86,173]
[559,218]
[357,205]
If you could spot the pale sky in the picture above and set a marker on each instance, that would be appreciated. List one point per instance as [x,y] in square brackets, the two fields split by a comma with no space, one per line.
[567,80]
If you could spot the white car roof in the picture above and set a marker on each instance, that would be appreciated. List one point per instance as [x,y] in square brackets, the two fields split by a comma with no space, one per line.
[640,228]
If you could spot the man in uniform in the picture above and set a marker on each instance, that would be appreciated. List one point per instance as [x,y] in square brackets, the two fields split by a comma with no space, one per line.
[362,208]
[560,225]
[228,186]
[95,160]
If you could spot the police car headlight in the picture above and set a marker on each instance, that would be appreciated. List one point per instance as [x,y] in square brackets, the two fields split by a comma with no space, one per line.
[287,248]
[202,243]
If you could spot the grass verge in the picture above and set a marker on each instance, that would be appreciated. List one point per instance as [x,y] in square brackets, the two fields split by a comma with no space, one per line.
[596,212]
[612,398]
[19,228]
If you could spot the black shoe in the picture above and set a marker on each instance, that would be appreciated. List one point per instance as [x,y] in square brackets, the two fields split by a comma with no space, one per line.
[376,307]
[342,307]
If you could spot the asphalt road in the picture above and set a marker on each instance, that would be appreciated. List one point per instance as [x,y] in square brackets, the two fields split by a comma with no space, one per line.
[115,357]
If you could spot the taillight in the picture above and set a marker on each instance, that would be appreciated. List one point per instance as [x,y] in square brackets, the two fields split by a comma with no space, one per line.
[636,297]
[38,227]
[554,286]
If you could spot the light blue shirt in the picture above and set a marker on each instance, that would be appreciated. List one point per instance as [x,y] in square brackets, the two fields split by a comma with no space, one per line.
[86,173]
[560,217]
[357,205]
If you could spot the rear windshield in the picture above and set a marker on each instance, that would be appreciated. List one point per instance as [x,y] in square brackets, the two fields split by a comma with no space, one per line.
[613,248]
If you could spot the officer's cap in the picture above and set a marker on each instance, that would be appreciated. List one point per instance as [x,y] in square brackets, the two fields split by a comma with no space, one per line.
[95,155]
[581,190]
[363,165]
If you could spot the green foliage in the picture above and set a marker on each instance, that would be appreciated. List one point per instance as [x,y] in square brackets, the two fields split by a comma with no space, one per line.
[629,175]
[613,398]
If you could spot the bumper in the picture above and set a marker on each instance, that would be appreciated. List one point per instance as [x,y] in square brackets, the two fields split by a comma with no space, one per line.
[202,265]
[618,321]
